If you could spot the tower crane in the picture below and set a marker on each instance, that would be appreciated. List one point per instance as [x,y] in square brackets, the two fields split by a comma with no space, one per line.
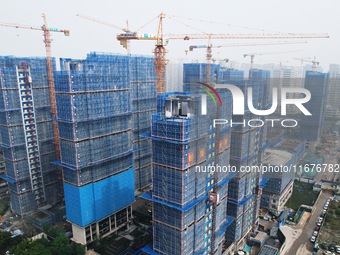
[252,56]
[204,46]
[209,49]
[314,62]
[48,41]
[162,39]
[126,30]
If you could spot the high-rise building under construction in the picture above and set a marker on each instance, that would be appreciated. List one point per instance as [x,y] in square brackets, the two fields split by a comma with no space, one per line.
[205,212]
[103,103]
[27,134]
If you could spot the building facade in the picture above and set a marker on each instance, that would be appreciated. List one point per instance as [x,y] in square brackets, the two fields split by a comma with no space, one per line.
[311,125]
[333,94]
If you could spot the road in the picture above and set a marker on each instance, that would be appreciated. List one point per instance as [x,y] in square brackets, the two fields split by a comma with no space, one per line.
[307,232]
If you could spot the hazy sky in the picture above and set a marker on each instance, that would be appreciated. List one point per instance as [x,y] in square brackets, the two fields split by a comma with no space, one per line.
[261,16]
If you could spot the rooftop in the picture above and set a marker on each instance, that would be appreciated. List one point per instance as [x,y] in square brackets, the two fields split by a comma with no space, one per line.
[268,250]
[289,144]
[277,157]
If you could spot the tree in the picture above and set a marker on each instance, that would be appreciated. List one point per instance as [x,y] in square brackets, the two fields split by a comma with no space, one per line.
[78,249]
[28,247]
[52,231]
[6,241]
[61,245]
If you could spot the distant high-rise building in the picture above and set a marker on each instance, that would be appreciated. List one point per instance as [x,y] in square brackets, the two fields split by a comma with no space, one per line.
[288,77]
[27,134]
[310,67]
[174,76]
[333,95]
[311,125]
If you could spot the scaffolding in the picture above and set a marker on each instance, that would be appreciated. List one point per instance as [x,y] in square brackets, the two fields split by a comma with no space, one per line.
[26,133]
[183,147]
[196,72]
[104,105]
[245,147]
[143,101]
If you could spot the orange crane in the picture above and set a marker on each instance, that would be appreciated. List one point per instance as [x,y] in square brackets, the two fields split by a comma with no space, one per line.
[162,40]
[47,40]
[314,62]
[126,30]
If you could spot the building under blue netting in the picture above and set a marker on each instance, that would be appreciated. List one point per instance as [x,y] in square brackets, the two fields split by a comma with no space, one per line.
[104,104]
[184,145]
[27,134]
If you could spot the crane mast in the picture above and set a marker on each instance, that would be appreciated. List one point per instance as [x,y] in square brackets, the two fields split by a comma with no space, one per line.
[160,58]
[314,62]
[50,79]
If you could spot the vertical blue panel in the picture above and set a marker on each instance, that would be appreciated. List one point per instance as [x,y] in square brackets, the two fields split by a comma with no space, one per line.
[92,202]
[114,193]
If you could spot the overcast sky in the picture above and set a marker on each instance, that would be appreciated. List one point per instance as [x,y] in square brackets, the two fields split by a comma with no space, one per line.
[260,16]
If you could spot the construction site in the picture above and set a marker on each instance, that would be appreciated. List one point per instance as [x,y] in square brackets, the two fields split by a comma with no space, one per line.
[98,135]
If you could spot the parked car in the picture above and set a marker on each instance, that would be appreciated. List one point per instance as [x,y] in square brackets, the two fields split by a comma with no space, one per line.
[337,248]
[325,207]
[324,246]
[313,239]
[328,253]
[318,224]
[315,233]
[317,228]
[324,211]
[331,247]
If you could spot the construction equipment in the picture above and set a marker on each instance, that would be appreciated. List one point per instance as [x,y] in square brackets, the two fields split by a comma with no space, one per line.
[252,57]
[204,46]
[314,62]
[209,50]
[47,40]
[162,40]
[126,30]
